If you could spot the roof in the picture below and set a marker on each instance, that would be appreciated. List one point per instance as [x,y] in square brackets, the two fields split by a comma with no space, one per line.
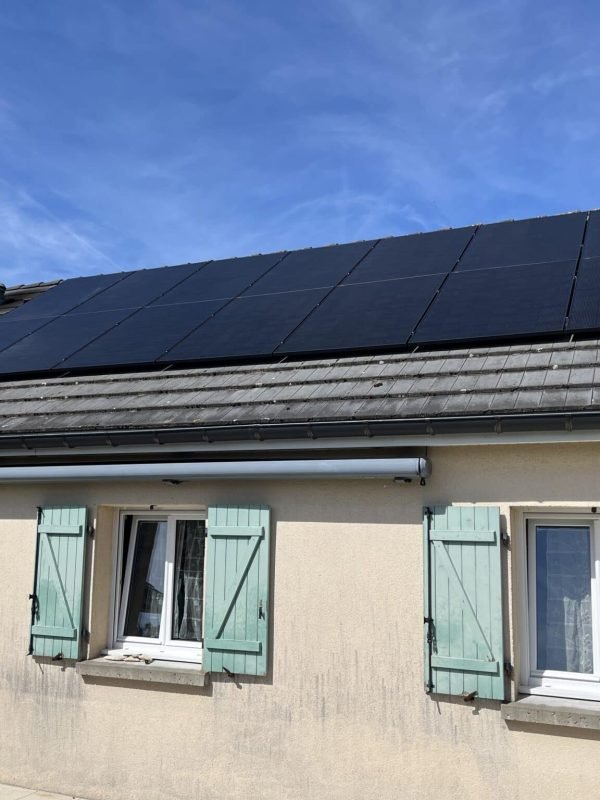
[526,379]
[15,296]
[513,281]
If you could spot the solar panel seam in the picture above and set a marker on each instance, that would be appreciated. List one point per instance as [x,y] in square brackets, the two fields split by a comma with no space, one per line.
[333,288]
[442,284]
[129,316]
[520,264]
[189,333]
[575,275]
[394,280]
[52,319]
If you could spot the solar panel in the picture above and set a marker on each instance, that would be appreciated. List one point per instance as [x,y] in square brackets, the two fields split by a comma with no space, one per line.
[359,316]
[585,307]
[12,330]
[457,285]
[248,326]
[509,301]
[310,269]
[591,247]
[144,336]
[66,296]
[44,348]
[139,288]
[528,241]
[407,256]
[220,279]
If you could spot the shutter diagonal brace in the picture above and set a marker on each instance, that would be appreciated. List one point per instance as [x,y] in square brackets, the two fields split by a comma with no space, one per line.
[454,578]
[60,580]
[255,535]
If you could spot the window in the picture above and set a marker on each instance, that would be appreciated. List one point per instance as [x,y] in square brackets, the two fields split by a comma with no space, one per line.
[561,646]
[160,590]
[187,586]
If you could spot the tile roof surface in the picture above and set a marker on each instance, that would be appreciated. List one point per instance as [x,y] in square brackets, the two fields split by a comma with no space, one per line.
[533,378]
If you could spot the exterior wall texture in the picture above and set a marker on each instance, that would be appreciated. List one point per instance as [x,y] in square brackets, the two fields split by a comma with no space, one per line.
[342,713]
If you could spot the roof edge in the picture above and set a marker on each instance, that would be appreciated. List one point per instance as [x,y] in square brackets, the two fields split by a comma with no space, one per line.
[430,427]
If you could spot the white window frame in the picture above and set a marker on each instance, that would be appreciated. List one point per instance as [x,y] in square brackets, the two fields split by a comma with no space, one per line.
[556,683]
[164,647]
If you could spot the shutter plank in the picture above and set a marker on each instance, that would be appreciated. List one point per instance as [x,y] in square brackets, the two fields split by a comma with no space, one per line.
[441,608]
[469,582]
[455,607]
[484,684]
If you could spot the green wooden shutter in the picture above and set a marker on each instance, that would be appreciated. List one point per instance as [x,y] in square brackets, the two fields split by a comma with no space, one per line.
[59,581]
[236,620]
[464,652]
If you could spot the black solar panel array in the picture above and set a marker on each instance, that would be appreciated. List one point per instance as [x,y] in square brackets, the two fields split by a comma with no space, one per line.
[510,279]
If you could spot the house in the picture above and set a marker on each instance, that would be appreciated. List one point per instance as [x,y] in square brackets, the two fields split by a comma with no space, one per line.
[321,524]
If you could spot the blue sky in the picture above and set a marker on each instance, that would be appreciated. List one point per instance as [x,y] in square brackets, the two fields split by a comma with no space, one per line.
[148,133]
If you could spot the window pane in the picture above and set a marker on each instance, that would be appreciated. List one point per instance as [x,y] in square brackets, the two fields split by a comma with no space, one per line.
[188,580]
[147,584]
[563,599]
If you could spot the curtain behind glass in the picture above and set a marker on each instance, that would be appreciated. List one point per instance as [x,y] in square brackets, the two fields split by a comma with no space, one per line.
[563,599]
[147,584]
[188,580]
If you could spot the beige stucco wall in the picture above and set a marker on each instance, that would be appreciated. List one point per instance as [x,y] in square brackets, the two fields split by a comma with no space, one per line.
[343,714]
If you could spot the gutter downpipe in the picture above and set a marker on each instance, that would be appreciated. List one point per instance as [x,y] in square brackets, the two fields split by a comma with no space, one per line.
[403,468]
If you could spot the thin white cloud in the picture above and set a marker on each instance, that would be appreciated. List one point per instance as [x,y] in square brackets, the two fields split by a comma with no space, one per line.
[36,245]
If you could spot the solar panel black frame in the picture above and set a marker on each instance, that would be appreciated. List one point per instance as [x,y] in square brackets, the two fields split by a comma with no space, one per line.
[45,348]
[247,327]
[66,296]
[144,336]
[139,288]
[411,256]
[499,302]
[591,248]
[363,316]
[311,269]
[528,241]
[584,313]
[220,279]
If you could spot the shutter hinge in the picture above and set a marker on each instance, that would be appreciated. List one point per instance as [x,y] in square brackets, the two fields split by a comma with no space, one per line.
[429,635]
[505,538]
[85,635]
[91,531]
[509,670]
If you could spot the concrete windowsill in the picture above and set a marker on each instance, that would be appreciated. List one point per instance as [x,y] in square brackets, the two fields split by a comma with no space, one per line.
[553,711]
[171,672]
